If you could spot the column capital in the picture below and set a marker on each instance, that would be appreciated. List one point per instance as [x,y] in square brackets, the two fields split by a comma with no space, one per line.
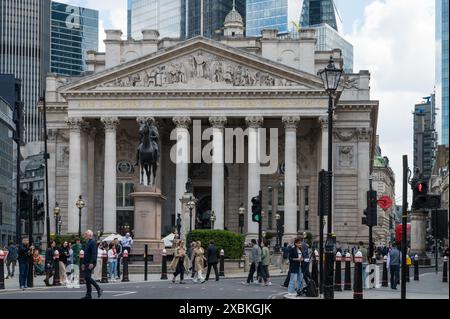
[182,121]
[290,122]
[110,123]
[323,121]
[254,121]
[218,121]
[52,134]
[74,123]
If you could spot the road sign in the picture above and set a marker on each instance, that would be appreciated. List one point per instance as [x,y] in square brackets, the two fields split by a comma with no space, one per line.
[384,202]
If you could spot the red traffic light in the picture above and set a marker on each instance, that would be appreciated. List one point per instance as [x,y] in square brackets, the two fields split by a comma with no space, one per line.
[421,187]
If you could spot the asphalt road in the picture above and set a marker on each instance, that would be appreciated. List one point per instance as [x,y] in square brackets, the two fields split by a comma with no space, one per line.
[223,289]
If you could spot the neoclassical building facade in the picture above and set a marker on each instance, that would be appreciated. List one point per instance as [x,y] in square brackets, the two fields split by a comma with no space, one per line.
[230,84]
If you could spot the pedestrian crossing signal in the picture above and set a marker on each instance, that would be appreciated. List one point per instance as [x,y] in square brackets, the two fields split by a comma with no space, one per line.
[256,209]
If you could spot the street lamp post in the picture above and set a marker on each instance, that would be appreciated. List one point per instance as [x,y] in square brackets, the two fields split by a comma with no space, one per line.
[179,226]
[191,205]
[56,212]
[330,77]
[212,219]
[241,217]
[80,205]
[278,244]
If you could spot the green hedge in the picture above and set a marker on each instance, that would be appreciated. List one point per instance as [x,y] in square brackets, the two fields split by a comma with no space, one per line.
[60,239]
[231,243]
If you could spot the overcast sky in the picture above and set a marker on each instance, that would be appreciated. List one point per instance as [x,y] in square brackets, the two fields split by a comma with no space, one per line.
[393,39]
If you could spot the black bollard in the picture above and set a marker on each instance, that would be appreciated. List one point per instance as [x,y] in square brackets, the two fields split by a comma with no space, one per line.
[104,267]
[222,263]
[445,270]
[145,262]
[384,281]
[56,280]
[416,267]
[315,269]
[358,287]
[348,275]
[125,266]
[2,269]
[337,274]
[82,280]
[164,265]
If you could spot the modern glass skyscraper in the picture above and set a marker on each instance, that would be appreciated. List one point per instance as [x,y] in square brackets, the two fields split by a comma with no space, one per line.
[25,53]
[74,31]
[129,3]
[320,11]
[425,136]
[442,52]
[181,18]
[166,16]
[272,14]
[214,13]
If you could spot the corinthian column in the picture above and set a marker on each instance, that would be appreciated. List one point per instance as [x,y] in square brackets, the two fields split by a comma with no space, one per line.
[290,176]
[217,189]
[109,181]
[182,124]
[74,125]
[253,178]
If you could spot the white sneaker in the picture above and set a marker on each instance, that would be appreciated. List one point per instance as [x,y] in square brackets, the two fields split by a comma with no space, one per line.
[292,294]
[269,284]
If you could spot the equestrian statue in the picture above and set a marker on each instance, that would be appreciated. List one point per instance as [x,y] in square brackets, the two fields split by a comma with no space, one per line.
[147,154]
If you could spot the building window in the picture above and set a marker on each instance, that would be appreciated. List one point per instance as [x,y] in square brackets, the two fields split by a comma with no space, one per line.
[123,191]
[281,194]
[306,202]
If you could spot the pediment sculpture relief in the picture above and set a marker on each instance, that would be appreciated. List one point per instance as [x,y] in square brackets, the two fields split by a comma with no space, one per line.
[201,68]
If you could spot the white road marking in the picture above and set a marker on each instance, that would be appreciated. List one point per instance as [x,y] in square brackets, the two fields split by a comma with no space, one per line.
[126,293]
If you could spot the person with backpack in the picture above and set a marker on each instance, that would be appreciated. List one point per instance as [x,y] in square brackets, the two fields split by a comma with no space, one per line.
[284,257]
[295,258]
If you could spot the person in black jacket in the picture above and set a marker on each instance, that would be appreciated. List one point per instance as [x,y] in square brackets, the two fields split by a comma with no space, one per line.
[25,251]
[89,263]
[212,259]
[49,263]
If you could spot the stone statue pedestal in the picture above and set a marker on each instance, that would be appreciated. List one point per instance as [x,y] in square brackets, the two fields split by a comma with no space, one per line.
[418,236]
[147,221]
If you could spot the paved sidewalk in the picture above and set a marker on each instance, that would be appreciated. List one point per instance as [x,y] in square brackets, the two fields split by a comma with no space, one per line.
[429,286]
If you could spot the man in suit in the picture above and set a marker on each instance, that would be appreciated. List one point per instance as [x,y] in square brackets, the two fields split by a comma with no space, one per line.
[89,263]
[212,260]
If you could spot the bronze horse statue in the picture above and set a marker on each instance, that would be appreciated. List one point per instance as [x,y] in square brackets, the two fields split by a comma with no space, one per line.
[147,154]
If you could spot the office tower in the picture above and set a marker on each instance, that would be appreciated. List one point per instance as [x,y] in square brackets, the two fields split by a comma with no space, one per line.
[181,18]
[425,136]
[442,66]
[9,97]
[25,44]
[166,16]
[320,11]
[282,15]
[74,31]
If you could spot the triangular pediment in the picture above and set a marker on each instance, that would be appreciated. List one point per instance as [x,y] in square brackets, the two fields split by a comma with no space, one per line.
[197,63]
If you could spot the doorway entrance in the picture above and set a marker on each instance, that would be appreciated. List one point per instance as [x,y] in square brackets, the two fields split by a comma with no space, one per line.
[125,222]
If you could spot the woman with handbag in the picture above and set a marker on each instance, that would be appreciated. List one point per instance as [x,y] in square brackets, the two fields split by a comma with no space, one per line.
[177,264]
[49,270]
[199,261]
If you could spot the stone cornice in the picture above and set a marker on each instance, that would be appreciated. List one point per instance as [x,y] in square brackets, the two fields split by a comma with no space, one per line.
[278,92]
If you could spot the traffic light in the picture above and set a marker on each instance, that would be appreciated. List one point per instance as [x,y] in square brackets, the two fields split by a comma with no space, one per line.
[256,209]
[423,200]
[370,213]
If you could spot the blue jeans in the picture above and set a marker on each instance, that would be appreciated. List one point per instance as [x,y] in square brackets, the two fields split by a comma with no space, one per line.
[295,276]
[23,273]
[395,272]
[112,269]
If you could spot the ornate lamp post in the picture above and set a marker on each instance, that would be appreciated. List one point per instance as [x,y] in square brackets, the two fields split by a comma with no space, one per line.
[330,77]
[80,205]
[241,217]
[212,219]
[56,212]
[191,205]
[278,219]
